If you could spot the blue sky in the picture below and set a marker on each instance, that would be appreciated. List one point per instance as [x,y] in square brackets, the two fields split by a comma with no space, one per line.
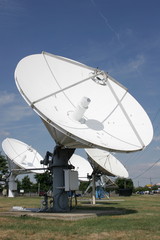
[121,37]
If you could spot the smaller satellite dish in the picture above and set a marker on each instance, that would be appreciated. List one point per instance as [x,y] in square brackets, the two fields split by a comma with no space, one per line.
[82,166]
[106,163]
[22,155]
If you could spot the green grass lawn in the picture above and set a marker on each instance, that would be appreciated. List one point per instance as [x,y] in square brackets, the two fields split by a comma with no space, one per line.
[139,220]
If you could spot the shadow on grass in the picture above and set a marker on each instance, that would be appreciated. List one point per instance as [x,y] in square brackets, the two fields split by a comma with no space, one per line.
[102,211]
[99,203]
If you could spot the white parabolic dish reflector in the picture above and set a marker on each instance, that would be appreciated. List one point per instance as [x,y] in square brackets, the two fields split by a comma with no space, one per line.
[23,155]
[82,107]
[107,163]
[82,166]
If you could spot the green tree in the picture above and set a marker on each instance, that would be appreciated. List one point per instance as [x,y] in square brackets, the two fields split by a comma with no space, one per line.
[145,188]
[125,186]
[26,184]
[44,181]
[3,165]
[83,186]
[154,187]
[19,185]
[124,183]
[3,169]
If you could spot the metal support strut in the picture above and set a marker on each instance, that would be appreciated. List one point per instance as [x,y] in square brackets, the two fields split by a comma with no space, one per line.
[59,163]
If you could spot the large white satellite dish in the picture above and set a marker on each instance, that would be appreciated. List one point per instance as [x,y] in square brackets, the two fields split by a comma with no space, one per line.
[22,155]
[106,163]
[82,166]
[82,107]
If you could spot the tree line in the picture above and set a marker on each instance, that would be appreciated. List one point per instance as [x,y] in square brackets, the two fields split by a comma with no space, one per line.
[43,182]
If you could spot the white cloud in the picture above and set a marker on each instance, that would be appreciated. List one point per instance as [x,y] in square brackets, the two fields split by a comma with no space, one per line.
[6,98]
[158,164]
[12,109]
[4,133]
[157,148]
[129,66]
[136,63]
[156,138]
[17,112]
[129,32]
[153,164]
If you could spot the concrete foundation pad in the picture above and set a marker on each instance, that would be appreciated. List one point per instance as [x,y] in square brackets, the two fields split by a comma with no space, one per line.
[75,214]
